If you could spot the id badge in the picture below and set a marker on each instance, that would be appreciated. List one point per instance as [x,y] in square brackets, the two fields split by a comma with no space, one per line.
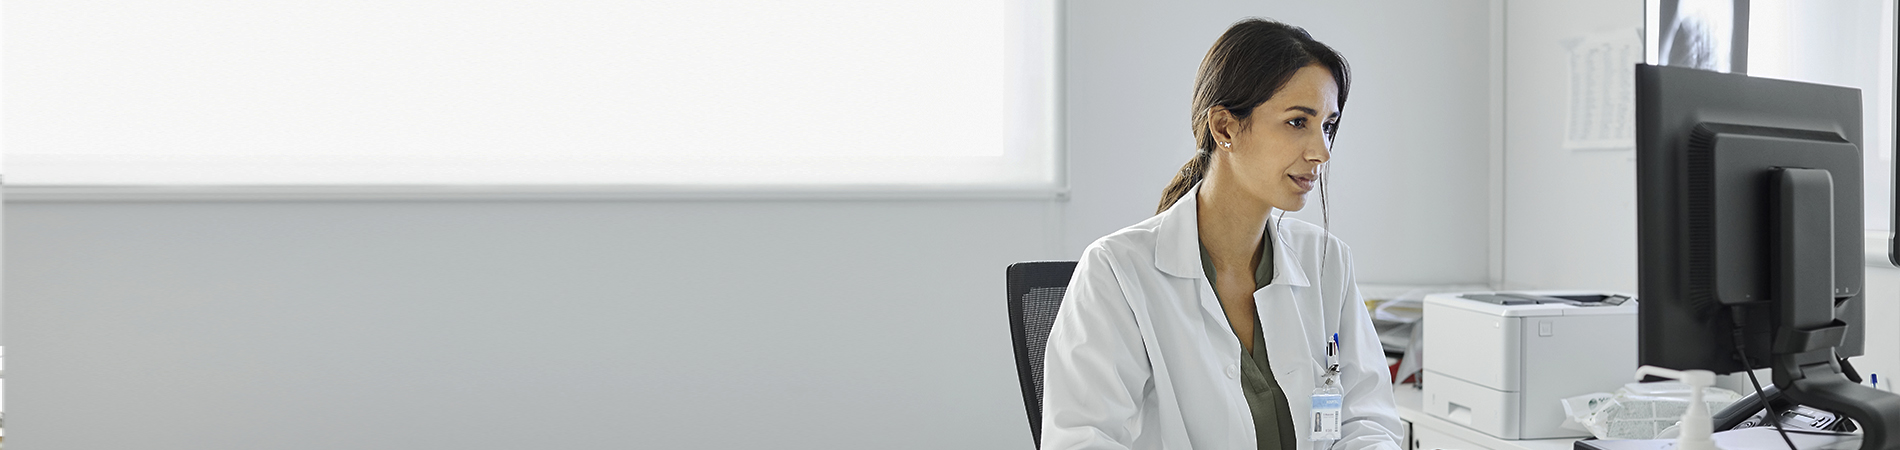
[1326,405]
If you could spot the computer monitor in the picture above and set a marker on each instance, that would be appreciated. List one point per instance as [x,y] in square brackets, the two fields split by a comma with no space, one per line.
[1749,219]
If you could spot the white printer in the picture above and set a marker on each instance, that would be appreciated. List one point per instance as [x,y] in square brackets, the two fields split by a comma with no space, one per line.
[1499,362]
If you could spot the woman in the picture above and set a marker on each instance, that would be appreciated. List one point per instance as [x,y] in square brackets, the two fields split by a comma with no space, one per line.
[1208,326]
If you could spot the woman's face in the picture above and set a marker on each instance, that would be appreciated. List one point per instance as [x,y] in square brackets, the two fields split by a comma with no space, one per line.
[1276,155]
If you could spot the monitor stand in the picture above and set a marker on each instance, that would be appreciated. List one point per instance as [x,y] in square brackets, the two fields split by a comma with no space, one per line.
[1806,370]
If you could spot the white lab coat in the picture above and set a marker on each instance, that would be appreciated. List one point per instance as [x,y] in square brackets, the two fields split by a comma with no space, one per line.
[1141,355]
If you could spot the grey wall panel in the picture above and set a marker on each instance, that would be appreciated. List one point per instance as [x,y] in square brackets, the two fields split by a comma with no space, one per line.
[515,325]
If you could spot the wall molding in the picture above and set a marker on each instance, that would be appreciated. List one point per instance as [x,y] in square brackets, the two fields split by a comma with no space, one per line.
[65,194]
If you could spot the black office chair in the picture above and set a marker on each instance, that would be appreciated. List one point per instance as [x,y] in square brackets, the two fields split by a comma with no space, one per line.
[1035,292]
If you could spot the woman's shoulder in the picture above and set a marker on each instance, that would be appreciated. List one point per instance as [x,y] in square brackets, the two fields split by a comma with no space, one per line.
[1129,242]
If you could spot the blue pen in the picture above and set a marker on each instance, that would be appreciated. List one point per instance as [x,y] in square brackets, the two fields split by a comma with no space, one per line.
[1332,354]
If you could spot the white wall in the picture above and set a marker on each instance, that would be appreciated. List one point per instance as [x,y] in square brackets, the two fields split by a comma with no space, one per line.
[1409,189]
[1883,310]
[1569,216]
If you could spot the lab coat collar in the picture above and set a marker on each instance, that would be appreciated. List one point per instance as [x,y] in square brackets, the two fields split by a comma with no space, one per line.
[1286,269]
[1178,244]
[1178,238]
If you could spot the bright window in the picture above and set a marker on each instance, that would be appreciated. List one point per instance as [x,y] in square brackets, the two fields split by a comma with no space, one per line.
[1843,43]
[560,92]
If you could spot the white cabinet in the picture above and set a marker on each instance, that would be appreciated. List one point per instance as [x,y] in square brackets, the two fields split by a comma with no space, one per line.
[1426,432]
[1427,438]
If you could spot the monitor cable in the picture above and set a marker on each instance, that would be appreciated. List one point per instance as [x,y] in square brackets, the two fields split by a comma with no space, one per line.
[1741,351]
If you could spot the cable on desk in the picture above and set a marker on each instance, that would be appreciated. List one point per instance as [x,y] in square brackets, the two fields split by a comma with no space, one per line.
[1741,351]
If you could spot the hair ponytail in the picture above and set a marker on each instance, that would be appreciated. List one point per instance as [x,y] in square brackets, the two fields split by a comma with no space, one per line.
[1190,175]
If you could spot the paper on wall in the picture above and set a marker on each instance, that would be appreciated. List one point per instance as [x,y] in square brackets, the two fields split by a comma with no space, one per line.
[1602,91]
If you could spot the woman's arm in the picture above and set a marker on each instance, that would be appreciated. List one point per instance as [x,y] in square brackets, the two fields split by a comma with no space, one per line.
[1369,417]
[1094,368]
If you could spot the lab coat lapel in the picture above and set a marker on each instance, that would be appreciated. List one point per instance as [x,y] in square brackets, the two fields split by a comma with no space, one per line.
[1286,267]
[1290,352]
[1289,311]
[1178,253]
[1285,311]
[1290,339]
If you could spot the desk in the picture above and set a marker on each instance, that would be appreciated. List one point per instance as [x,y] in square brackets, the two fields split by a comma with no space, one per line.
[1758,438]
[1425,432]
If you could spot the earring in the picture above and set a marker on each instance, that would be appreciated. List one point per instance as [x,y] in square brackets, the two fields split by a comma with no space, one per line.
[1227,144]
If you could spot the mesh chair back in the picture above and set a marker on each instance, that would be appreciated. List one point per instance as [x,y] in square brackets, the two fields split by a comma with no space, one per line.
[1035,292]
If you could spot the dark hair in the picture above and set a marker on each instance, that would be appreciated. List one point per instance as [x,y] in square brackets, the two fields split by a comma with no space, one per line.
[1246,66]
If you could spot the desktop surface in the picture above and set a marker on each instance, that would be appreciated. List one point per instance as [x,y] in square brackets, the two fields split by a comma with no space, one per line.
[1758,438]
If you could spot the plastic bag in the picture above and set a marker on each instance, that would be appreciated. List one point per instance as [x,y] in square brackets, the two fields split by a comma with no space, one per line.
[1638,410]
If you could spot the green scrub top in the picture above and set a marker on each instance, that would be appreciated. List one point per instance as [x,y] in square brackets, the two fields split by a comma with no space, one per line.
[1272,419]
